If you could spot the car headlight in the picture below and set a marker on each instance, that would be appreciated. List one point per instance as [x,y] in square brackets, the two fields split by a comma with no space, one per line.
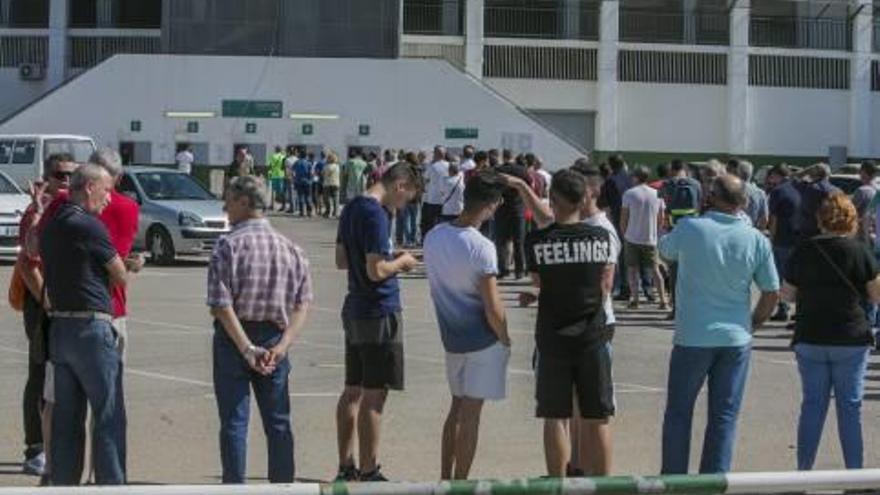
[188,219]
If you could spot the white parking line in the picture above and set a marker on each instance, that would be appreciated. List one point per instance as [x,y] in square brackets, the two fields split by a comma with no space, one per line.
[624,386]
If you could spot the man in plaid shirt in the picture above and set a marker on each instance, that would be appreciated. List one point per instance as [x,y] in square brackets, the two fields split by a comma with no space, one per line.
[259,289]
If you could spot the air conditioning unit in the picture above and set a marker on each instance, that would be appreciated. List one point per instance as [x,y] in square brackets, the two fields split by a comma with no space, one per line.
[31,72]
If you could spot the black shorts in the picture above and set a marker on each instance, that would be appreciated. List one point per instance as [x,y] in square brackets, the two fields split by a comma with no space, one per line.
[374,352]
[587,375]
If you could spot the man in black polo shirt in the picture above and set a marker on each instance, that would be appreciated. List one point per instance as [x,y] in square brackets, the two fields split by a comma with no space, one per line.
[572,263]
[80,264]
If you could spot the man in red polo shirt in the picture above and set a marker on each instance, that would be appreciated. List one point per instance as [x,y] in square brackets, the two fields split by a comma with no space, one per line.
[121,219]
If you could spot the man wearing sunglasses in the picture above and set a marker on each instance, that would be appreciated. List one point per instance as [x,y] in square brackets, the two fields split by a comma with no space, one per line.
[57,171]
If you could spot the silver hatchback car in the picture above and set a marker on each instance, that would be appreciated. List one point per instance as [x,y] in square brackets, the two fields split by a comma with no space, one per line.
[178,215]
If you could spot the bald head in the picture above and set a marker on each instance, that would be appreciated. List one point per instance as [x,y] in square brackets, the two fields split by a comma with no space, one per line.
[729,193]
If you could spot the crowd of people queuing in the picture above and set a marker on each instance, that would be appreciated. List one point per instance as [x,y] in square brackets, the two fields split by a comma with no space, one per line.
[693,240]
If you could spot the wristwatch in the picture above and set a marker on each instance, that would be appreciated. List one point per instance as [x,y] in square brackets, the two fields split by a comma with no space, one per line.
[250,352]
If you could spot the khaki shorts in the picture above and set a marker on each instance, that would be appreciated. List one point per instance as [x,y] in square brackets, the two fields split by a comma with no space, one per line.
[640,256]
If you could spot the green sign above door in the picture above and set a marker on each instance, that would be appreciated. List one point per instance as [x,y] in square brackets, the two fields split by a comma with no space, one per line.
[253,109]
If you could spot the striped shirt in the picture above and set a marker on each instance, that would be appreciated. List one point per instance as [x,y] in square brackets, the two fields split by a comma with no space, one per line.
[260,273]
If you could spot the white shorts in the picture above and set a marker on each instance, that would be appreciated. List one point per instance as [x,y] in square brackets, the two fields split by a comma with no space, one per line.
[480,374]
[49,383]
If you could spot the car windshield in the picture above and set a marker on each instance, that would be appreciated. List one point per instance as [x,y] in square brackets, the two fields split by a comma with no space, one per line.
[172,186]
[8,187]
[79,149]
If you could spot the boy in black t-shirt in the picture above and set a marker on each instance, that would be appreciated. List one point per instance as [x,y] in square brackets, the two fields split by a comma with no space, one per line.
[572,264]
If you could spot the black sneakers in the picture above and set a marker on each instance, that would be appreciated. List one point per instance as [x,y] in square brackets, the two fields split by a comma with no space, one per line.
[348,473]
[375,475]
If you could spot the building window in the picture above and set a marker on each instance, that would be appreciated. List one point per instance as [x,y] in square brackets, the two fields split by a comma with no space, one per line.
[24,13]
[542,19]
[434,17]
[705,22]
[803,24]
[129,14]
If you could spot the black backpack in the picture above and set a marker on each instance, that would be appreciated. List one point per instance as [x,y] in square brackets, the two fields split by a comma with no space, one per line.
[682,198]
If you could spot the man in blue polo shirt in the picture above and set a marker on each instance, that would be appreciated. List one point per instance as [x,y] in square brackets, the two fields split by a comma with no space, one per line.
[371,317]
[80,264]
[719,256]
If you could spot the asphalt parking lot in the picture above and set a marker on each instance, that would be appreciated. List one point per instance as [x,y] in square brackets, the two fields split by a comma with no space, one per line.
[172,428]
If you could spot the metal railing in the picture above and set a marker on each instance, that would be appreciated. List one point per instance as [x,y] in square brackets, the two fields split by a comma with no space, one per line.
[822,33]
[23,49]
[798,72]
[452,53]
[439,18]
[580,22]
[692,28]
[729,484]
[537,62]
[876,33]
[672,67]
[87,51]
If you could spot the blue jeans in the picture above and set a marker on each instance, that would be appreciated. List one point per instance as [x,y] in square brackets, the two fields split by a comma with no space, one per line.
[781,254]
[727,369]
[87,367]
[288,194]
[406,224]
[304,198]
[823,369]
[233,380]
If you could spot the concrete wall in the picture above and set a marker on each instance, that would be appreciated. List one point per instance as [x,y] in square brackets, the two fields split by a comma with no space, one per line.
[797,121]
[550,95]
[17,93]
[672,117]
[407,103]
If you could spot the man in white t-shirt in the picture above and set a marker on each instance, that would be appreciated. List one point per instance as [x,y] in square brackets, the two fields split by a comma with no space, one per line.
[185,159]
[641,218]
[462,267]
[467,159]
[453,193]
[435,174]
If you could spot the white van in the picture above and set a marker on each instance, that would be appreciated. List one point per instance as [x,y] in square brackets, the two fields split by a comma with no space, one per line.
[22,155]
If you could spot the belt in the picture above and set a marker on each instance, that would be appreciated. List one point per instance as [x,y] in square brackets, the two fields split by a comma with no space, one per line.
[82,315]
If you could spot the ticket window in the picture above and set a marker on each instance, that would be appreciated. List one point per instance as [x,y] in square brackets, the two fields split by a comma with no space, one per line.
[136,152]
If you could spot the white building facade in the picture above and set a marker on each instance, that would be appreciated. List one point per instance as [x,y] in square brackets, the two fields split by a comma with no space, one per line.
[768,79]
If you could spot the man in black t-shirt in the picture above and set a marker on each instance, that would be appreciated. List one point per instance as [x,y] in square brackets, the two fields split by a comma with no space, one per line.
[572,264]
[510,220]
[80,264]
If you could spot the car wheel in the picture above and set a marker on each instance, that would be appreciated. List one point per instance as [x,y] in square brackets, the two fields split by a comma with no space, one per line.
[161,246]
